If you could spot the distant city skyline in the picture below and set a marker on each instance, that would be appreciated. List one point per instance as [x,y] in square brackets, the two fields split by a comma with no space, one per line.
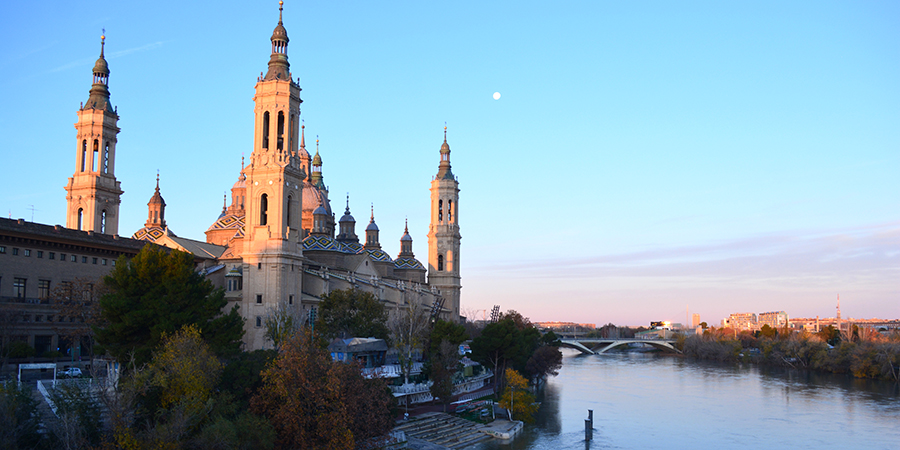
[639,160]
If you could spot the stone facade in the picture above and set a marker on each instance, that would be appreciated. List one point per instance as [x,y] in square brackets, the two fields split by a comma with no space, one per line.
[37,263]
[276,241]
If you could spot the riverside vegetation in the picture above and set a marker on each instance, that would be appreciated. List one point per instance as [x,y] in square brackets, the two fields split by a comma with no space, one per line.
[862,352]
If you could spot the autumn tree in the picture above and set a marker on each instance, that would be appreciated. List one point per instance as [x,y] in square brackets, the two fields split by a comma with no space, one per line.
[516,399]
[314,402]
[346,313]
[157,292]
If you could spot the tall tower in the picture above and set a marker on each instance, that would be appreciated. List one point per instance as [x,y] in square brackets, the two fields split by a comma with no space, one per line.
[272,253]
[443,233]
[92,195]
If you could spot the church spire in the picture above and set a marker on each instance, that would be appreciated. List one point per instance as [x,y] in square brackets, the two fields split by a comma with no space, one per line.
[372,233]
[279,68]
[315,176]
[99,94]
[156,208]
[444,168]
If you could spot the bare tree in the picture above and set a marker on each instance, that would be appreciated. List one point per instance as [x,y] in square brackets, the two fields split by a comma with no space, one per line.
[78,309]
[408,325]
[282,322]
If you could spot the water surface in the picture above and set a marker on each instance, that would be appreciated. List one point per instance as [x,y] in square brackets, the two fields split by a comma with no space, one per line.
[648,400]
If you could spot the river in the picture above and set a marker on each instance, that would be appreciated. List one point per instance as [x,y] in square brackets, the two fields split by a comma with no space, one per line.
[649,400]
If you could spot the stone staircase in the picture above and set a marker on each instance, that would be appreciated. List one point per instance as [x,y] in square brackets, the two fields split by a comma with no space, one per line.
[444,430]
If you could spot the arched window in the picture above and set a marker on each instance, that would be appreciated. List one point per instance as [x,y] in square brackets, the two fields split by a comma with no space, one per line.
[450,211]
[288,212]
[80,218]
[280,142]
[95,156]
[265,130]
[440,210]
[106,158]
[263,209]
[103,221]
[83,154]
[440,262]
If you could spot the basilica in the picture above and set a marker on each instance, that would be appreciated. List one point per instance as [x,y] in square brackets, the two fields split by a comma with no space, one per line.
[277,245]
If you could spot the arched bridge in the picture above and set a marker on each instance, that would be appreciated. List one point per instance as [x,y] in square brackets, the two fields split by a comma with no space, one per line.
[596,346]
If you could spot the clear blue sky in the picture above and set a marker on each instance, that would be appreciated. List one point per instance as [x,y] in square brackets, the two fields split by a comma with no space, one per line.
[644,157]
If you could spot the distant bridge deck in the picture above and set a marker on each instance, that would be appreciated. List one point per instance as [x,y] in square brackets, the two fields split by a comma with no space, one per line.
[596,346]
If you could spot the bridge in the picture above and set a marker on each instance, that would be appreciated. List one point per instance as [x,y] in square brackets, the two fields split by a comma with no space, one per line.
[597,346]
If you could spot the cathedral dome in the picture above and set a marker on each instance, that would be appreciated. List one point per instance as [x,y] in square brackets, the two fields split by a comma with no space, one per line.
[372,227]
[313,198]
[347,217]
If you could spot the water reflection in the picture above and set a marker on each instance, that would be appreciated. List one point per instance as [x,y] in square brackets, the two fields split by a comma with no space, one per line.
[652,400]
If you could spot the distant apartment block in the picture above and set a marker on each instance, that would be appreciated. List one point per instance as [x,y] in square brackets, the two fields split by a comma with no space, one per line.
[741,321]
[775,319]
[695,320]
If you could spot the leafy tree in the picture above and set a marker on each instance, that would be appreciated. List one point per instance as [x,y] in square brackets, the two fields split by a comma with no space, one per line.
[170,401]
[346,313]
[545,361]
[242,375]
[550,338]
[442,330]
[516,399]
[314,402]
[768,332]
[830,335]
[19,416]
[409,328]
[369,403]
[158,292]
[506,343]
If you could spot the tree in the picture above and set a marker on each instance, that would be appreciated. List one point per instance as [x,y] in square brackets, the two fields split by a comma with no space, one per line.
[516,399]
[830,335]
[79,301]
[768,332]
[346,313]
[79,416]
[314,402]
[409,326]
[444,364]
[508,342]
[282,322]
[158,292]
[545,361]
[19,416]
[442,330]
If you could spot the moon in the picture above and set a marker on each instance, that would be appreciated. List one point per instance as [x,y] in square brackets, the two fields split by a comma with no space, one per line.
[496,96]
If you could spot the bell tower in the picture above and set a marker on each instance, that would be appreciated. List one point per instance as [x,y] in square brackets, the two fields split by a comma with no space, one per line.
[272,253]
[443,234]
[93,194]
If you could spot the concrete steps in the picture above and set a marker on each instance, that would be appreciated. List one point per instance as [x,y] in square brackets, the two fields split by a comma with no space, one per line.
[444,430]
